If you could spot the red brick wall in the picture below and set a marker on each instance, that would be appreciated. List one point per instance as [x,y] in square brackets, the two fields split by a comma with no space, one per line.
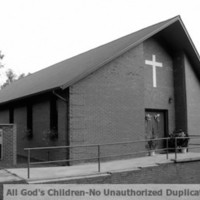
[158,97]
[9,144]
[108,106]
[193,98]
[41,125]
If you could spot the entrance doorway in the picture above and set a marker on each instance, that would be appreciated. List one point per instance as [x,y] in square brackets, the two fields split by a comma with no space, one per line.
[155,125]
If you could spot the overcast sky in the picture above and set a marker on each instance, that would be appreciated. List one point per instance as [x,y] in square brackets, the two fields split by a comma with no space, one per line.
[35,34]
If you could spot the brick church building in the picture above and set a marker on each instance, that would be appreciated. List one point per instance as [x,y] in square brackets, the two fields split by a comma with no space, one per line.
[104,95]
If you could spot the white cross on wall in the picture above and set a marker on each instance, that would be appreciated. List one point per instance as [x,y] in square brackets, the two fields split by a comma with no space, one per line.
[154,64]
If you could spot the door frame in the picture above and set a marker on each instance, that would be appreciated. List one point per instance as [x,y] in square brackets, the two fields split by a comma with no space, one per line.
[166,122]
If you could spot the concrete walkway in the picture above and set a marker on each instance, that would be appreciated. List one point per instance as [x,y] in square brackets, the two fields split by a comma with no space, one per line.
[48,174]
[6,176]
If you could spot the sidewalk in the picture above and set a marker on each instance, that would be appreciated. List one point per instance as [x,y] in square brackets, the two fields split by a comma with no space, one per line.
[6,176]
[48,174]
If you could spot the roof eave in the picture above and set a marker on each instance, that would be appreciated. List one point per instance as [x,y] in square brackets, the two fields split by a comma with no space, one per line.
[30,95]
[190,39]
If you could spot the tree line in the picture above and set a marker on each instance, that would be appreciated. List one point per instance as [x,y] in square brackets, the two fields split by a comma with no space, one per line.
[10,74]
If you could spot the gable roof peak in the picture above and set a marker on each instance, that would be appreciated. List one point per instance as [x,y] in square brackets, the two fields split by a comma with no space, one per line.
[68,72]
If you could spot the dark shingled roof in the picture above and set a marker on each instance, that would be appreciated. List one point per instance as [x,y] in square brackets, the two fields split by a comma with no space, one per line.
[67,72]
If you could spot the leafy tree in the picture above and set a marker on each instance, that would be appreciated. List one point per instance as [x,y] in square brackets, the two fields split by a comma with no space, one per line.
[1,58]
[11,77]
[10,74]
[23,75]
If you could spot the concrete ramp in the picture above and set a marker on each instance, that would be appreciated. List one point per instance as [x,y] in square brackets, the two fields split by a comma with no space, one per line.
[7,176]
[61,173]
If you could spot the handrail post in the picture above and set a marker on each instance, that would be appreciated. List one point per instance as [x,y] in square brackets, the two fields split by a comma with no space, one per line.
[99,160]
[167,148]
[175,149]
[29,155]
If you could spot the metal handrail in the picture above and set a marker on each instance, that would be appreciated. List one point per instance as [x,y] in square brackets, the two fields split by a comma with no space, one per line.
[98,146]
[93,145]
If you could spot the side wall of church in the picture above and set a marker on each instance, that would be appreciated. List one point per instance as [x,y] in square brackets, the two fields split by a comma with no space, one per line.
[193,98]
[41,128]
[108,107]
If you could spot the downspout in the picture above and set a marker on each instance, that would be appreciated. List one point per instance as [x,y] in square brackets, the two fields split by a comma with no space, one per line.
[67,123]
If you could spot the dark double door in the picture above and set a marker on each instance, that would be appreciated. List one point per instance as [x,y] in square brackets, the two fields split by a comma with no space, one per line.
[155,125]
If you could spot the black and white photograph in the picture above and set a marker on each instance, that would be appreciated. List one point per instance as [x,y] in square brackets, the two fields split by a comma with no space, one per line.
[99,99]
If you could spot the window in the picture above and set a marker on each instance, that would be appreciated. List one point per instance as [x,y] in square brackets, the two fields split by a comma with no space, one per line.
[11,115]
[53,114]
[29,117]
